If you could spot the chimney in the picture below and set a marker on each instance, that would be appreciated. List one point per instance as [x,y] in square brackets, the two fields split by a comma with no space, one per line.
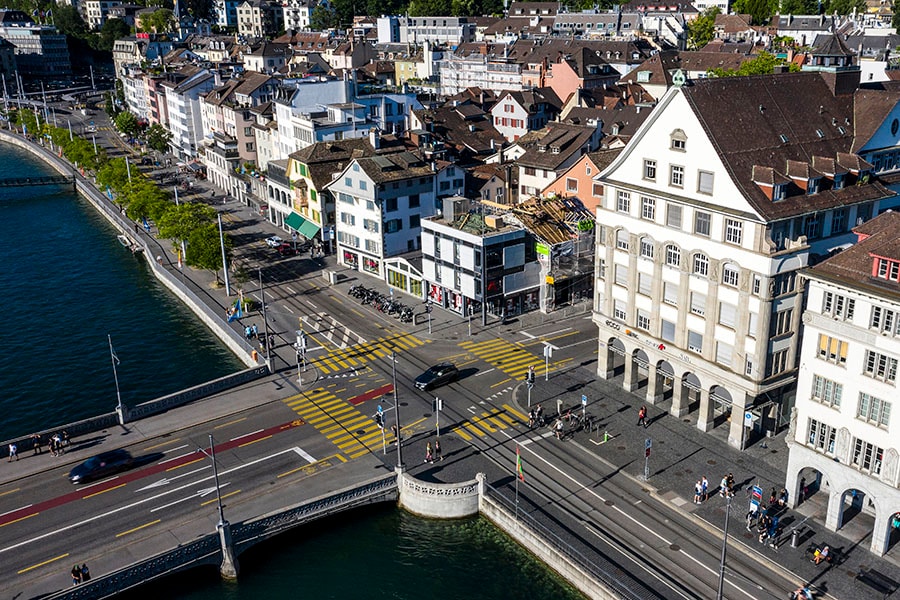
[375,138]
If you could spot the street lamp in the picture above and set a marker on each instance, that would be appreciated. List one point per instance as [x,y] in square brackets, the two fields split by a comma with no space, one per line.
[212,455]
[397,410]
[724,547]
[229,567]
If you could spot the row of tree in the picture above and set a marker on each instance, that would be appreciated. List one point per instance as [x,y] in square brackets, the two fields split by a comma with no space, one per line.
[193,224]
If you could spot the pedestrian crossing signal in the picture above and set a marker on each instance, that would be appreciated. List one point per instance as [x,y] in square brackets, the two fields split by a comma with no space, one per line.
[529,377]
[379,420]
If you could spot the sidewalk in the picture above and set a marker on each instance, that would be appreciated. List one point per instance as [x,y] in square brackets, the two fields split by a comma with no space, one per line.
[681,454]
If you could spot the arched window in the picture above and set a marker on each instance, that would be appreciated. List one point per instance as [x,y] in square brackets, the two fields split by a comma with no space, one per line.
[646,248]
[673,255]
[622,239]
[678,140]
[701,265]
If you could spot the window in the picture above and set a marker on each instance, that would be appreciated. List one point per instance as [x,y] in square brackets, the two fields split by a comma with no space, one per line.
[826,391]
[643,320]
[698,303]
[650,169]
[670,293]
[348,218]
[880,366]
[678,140]
[393,226]
[702,223]
[752,324]
[781,324]
[695,342]
[839,221]
[645,283]
[867,457]
[727,314]
[597,190]
[874,410]
[647,248]
[673,256]
[372,246]
[673,216]
[811,227]
[363,185]
[723,353]
[821,436]
[348,182]
[676,176]
[390,205]
[838,306]
[777,363]
[785,284]
[701,265]
[370,225]
[832,349]
[414,221]
[648,208]
[884,320]
[622,239]
[704,182]
[414,201]
[730,275]
[888,269]
[529,171]
[571,184]
[623,202]
[619,310]
[733,231]
[668,331]
[757,285]
[621,275]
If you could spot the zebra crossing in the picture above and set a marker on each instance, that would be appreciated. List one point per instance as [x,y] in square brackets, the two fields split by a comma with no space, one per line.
[489,421]
[358,356]
[505,356]
[354,433]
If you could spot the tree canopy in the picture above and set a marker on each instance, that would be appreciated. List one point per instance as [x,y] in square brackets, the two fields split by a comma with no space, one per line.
[763,64]
[158,137]
[702,29]
[159,21]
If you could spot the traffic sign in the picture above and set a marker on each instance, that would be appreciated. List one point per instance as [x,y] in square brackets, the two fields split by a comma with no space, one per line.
[648,443]
[380,410]
[583,400]
[647,453]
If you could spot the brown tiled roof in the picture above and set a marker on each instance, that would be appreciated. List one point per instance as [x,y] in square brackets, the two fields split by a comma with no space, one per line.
[569,139]
[870,109]
[852,267]
[768,120]
[394,167]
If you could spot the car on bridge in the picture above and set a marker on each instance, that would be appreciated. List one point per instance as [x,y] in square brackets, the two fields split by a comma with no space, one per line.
[436,376]
[102,465]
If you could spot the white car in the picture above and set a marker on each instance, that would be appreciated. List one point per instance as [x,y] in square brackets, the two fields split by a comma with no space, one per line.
[274,241]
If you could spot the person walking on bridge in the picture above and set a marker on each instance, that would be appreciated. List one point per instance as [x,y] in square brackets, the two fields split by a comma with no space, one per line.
[13,453]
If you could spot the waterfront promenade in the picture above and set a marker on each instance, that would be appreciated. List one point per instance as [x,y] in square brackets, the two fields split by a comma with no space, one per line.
[681,453]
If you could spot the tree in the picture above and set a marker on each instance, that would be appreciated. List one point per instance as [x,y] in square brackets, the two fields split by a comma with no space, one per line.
[205,252]
[159,21]
[114,174]
[112,30]
[799,7]
[895,20]
[127,123]
[845,7]
[763,64]
[158,137]
[179,221]
[702,29]
[760,11]
[199,9]
[323,18]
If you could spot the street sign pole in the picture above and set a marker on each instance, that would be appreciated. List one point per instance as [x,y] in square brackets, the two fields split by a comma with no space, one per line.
[529,380]
[438,406]
[583,407]
[648,443]
[381,425]
[548,352]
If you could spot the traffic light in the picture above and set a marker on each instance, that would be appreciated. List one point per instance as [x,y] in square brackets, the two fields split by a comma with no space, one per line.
[379,420]
[529,378]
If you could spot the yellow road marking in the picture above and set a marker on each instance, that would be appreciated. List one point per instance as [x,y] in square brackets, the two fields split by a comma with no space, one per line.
[473,429]
[166,443]
[10,492]
[459,431]
[498,422]
[223,497]
[186,464]
[103,491]
[358,313]
[46,562]
[254,441]
[230,423]
[138,528]
[483,422]
[508,379]
[20,519]
[515,412]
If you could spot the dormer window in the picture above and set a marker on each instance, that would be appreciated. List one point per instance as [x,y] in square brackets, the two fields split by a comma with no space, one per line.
[554,149]
[839,180]
[678,140]
[779,191]
[888,269]
[813,187]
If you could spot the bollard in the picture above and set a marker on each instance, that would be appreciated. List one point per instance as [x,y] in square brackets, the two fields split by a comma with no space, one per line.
[795,538]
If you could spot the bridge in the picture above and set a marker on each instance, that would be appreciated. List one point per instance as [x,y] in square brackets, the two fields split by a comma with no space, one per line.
[9,182]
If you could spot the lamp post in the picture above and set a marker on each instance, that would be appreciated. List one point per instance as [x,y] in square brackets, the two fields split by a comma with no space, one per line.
[724,548]
[120,408]
[229,567]
[262,293]
[397,410]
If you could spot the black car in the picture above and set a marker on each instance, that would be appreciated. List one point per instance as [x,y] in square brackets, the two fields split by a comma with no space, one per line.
[437,375]
[100,466]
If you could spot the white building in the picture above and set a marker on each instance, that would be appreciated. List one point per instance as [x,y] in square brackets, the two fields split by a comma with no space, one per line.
[702,232]
[380,203]
[436,30]
[844,442]
[297,14]
[183,108]
[95,12]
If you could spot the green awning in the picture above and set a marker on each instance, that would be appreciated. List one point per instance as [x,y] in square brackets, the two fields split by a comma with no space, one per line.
[303,226]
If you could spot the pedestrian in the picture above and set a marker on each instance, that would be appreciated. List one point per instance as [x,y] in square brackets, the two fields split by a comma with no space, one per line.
[782,497]
[429,455]
[135,227]
[65,438]
[13,453]
[772,497]
[729,479]
[822,554]
[642,417]
[752,515]
[254,330]
[801,497]
[36,443]
[531,419]
[723,486]
[437,450]
[159,259]
[705,483]
[248,332]
[85,573]
[76,575]
[559,428]
[396,434]
[698,491]
[539,415]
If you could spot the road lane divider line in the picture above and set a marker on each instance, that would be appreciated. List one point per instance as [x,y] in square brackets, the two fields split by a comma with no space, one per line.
[198,493]
[167,480]
[41,564]
[115,487]
[505,381]
[230,423]
[16,509]
[222,498]
[139,527]
[480,373]
[162,462]
[19,519]
[186,464]
[515,412]
[165,443]
[254,441]
[303,453]
[245,435]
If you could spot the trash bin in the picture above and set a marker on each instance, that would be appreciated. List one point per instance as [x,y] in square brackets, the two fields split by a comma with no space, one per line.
[795,538]
[254,355]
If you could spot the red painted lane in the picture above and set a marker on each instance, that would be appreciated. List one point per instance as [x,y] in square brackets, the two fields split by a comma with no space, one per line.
[385,389]
[128,477]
